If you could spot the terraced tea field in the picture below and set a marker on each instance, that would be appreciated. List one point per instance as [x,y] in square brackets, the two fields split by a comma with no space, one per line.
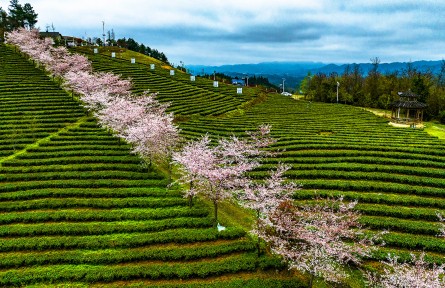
[186,97]
[77,207]
[396,174]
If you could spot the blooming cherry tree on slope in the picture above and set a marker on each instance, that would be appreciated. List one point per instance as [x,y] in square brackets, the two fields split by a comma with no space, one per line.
[141,120]
[153,136]
[217,171]
[311,237]
[420,274]
[190,166]
[265,197]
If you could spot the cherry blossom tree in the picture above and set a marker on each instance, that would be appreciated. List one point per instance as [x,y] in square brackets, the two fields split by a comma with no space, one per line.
[57,60]
[86,83]
[141,120]
[217,171]
[420,274]
[153,136]
[29,43]
[311,237]
[190,166]
[119,114]
[264,197]
[64,62]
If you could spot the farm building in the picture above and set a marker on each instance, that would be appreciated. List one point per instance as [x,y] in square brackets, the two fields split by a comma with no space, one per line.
[239,82]
[407,109]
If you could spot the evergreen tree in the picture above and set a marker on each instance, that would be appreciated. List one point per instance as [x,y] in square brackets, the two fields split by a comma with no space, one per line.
[3,23]
[19,16]
[29,16]
[16,15]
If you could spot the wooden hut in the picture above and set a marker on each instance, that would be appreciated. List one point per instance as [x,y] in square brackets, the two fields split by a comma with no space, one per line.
[407,109]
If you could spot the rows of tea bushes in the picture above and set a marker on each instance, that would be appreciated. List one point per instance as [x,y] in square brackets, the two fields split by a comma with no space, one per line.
[186,97]
[31,107]
[396,174]
[77,206]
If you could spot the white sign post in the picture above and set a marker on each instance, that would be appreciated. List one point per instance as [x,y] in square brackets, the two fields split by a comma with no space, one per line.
[113,54]
[152,66]
[96,50]
[215,84]
[239,90]
[172,72]
[133,60]
[192,78]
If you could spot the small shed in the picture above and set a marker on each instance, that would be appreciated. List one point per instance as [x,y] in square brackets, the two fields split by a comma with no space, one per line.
[239,82]
[407,109]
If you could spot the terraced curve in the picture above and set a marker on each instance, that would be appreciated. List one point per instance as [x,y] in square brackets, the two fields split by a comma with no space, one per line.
[396,174]
[77,207]
[186,97]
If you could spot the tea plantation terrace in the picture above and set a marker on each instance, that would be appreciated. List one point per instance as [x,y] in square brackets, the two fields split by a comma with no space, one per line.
[77,207]
[396,174]
[186,97]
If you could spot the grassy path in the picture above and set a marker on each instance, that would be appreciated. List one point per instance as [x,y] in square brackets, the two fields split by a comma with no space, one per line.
[43,140]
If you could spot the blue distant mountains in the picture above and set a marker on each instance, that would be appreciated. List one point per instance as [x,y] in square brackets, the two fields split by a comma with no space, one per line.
[294,72]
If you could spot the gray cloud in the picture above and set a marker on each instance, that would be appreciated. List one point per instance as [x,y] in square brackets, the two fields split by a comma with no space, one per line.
[219,32]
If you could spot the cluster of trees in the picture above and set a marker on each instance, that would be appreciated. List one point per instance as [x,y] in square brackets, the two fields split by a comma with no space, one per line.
[16,17]
[259,80]
[318,238]
[376,89]
[132,45]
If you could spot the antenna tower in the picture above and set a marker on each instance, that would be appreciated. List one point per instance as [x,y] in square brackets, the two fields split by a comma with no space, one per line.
[103,32]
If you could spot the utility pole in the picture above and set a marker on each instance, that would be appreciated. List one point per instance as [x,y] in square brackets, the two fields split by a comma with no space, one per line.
[103,31]
[338,85]
[284,79]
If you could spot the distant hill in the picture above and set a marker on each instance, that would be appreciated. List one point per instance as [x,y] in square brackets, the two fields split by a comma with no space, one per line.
[294,72]
[385,68]
[280,68]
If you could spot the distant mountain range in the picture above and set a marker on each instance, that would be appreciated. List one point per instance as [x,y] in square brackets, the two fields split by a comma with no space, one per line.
[294,72]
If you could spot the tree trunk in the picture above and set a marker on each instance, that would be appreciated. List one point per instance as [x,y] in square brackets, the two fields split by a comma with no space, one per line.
[191,196]
[169,168]
[311,281]
[258,228]
[215,213]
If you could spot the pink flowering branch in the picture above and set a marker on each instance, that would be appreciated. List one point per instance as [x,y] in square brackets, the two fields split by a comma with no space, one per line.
[217,171]
[312,237]
[419,274]
[141,120]
[265,197]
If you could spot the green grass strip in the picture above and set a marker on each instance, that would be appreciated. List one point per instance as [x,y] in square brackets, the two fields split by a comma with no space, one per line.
[43,140]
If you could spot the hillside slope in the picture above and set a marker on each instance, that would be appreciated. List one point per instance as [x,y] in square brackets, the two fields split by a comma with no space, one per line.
[396,174]
[186,97]
[77,207]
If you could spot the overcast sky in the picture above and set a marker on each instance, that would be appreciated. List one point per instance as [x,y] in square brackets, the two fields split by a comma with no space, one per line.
[215,32]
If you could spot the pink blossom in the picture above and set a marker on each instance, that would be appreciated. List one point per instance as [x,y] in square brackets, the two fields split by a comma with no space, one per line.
[311,237]
[420,274]
[141,120]
[217,171]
